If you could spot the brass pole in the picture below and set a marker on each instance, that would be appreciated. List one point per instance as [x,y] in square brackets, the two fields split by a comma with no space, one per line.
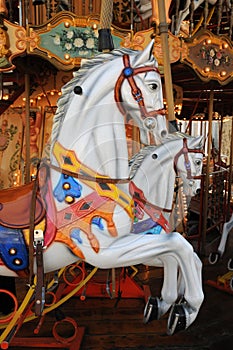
[230,178]
[27,105]
[207,174]
[27,128]
[163,31]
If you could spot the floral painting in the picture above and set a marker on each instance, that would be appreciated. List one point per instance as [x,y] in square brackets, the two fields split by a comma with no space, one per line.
[77,41]
[214,56]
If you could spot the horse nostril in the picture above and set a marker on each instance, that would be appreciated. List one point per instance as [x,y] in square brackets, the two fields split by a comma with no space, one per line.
[198,191]
[163,134]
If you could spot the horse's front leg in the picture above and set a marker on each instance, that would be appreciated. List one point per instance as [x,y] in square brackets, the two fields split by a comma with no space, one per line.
[156,307]
[184,313]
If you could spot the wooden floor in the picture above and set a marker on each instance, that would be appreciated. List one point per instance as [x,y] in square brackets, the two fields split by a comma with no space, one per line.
[117,323]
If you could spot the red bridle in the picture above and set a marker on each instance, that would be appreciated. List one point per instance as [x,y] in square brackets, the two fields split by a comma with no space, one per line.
[128,73]
[184,151]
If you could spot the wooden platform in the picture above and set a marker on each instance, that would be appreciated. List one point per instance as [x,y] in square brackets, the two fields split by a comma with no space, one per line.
[116,324]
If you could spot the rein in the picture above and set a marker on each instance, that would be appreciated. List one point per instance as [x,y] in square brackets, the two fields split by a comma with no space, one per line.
[81,176]
[128,73]
[184,151]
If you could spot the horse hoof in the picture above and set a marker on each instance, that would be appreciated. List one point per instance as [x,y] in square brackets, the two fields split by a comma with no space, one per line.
[176,319]
[214,258]
[151,311]
[230,264]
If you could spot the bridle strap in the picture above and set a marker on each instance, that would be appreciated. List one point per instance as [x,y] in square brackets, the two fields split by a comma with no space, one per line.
[80,176]
[128,73]
[184,151]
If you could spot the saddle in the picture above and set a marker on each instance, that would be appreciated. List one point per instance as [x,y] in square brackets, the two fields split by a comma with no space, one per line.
[15,206]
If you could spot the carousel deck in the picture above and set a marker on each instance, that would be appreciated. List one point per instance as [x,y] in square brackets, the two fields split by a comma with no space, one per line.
[117,323]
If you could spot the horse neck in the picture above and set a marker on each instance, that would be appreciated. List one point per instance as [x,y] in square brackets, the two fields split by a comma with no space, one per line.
[94,129]
[158,185]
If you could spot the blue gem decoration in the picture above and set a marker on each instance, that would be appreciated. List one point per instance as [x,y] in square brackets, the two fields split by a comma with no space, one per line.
[128,71]
[74,189]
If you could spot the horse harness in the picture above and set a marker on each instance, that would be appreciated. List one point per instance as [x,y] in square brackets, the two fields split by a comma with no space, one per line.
[128,73]
[184,151]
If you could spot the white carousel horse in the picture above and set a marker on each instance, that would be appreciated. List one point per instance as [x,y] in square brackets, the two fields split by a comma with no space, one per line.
[143,10]
[173,288]
[215,256]
[89,198]
[185,10]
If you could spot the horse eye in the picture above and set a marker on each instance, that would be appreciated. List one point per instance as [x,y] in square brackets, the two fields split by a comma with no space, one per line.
[78,90]
[153,86]
[154,156]
[198,162]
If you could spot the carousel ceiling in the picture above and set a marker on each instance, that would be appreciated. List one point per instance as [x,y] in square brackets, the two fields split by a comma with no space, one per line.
[200,45]
[196,92]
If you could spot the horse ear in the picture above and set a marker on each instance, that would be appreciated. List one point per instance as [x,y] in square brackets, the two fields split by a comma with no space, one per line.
[200,140]
[196,142]
[145,56]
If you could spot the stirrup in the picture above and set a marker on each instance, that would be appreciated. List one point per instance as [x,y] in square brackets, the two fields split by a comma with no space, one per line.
[214,257]
[230,264]
[151,311]
[176,319]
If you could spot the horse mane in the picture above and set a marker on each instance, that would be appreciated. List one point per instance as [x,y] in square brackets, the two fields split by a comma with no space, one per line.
[67,90]
[136,161]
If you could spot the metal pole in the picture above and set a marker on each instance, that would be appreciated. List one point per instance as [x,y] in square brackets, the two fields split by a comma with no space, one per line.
[163,31]
[207,175]
[27,105]
[27,128]
[230,179]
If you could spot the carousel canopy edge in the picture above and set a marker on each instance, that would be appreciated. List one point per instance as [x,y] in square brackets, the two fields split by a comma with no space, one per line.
[66,38]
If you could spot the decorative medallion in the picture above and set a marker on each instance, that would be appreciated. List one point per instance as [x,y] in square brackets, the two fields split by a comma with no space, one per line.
[210,56]
[141,39]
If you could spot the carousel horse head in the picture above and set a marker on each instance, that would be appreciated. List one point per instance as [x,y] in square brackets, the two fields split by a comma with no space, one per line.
[155,168]
[103,95]
[188,162]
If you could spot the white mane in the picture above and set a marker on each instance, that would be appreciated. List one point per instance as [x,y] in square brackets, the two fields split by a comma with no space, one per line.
[136,161]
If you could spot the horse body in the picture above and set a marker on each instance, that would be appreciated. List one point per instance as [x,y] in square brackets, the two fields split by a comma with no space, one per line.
[93,198]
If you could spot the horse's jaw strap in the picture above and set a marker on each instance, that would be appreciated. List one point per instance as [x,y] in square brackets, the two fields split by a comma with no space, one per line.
[152,210]
[184,151]
[128,73]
